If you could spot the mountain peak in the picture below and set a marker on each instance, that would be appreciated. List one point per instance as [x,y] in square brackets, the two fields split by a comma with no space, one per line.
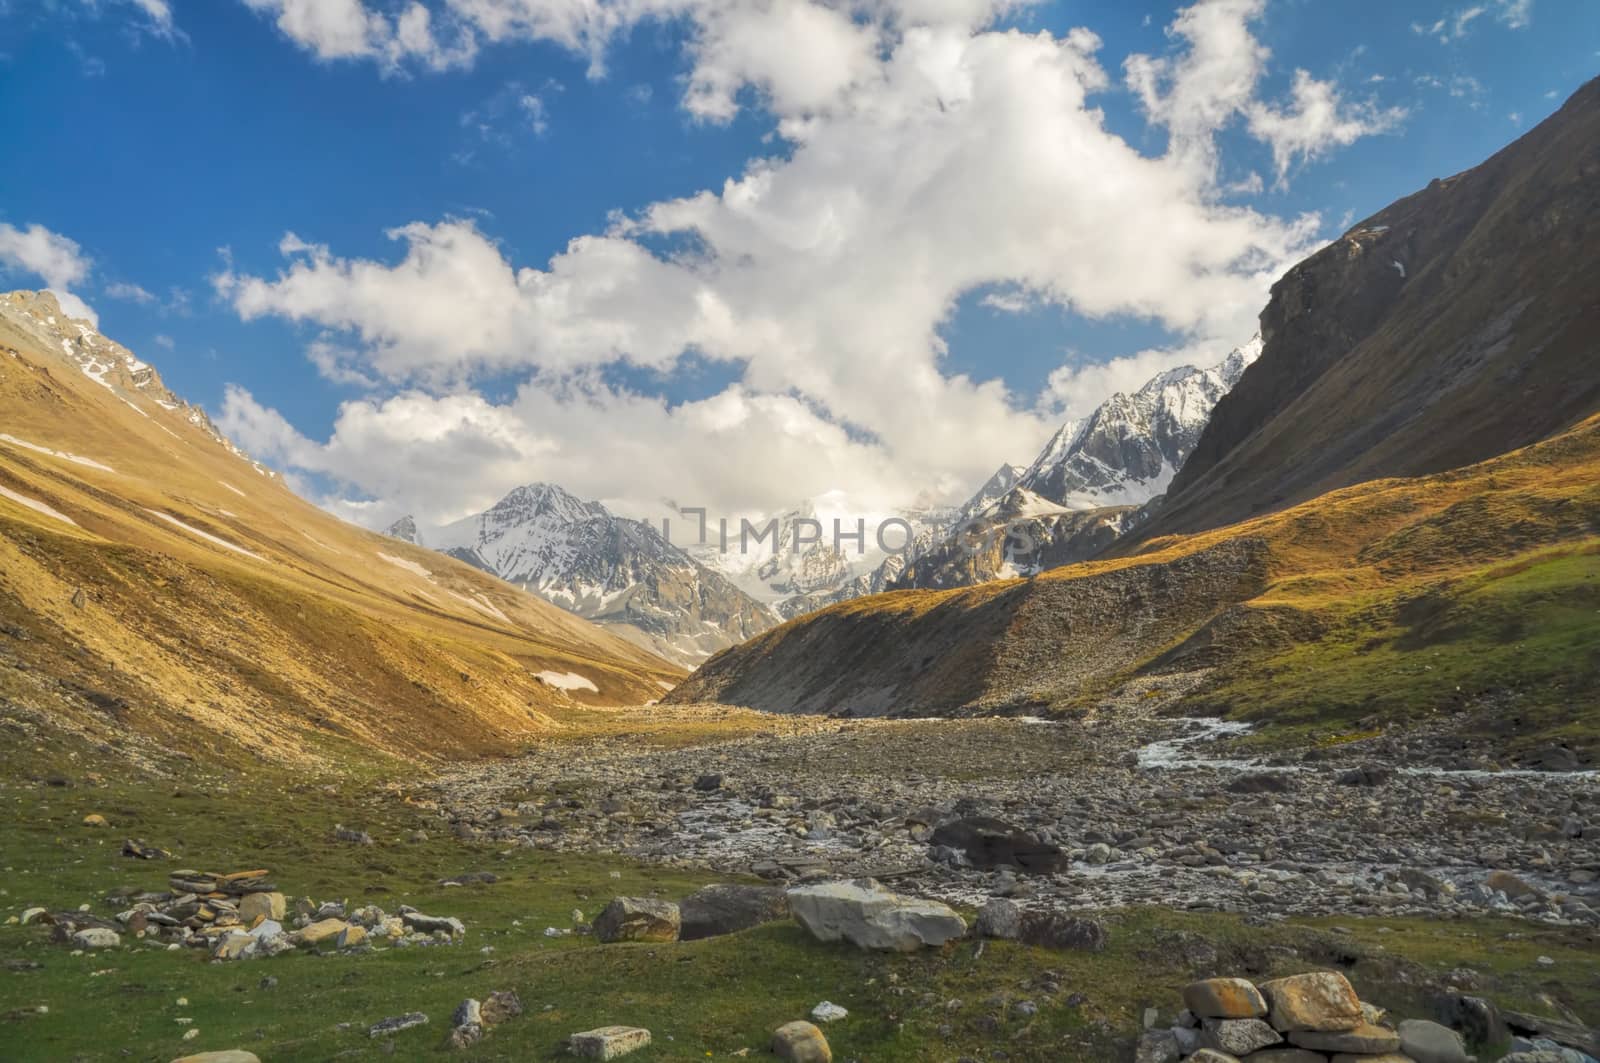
[1129,448]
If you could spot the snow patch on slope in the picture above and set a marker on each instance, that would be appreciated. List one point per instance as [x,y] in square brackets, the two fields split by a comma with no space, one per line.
[409,566]
[566,681]
[36,505]
[207,536]
[63,455]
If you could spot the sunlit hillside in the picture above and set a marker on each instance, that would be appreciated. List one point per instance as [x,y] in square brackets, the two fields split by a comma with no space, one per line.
[159,589]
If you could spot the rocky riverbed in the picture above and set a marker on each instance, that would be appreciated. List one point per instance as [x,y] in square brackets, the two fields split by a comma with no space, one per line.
[1122,808]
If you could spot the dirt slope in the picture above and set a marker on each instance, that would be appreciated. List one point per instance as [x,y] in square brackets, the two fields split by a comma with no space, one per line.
[158,589]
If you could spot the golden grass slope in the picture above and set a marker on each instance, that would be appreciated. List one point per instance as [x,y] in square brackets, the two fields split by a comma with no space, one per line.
[221,614]
[1232,599]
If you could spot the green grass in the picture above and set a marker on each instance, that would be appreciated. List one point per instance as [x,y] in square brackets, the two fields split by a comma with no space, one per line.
[1523,637]
[702,1000]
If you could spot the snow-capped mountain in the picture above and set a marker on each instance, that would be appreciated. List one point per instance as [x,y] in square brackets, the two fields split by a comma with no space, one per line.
[997,487]
[801,575]
[1128,450]
[603,567]
[1084,489]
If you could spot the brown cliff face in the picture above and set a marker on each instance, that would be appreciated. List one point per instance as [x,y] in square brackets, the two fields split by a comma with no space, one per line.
[1459,323]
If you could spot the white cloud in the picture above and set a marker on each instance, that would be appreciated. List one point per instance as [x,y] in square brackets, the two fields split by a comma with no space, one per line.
[1316,122]
[349,29]
[130,292]
[1010,301]
[1215,79]
[55,259]
[1454,25]
[158,18]
[821,276]
[165,342]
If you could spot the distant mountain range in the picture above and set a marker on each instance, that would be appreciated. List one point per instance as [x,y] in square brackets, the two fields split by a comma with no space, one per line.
[609,569]
[1084,490]
[687,602]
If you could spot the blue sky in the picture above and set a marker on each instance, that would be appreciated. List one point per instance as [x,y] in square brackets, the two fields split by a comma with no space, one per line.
[176,143]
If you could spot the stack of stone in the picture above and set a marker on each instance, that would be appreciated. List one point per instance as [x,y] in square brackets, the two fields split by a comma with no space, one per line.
[242,916]
[1305,1018]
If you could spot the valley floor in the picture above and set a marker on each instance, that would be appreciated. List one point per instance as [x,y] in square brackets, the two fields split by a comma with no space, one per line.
[1196,868]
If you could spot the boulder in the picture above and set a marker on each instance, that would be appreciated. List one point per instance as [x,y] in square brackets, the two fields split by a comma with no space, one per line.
[318,932]
[1387,1057]
[231,1055]
[468,1013]
[1058,930]
[1158,1046]
[1284,1054]
[1364,1039]
[1513,887]
[801,1042]
[96,937]
[870,917]
[992,843]
[1224,998]
[1238,1037]
[1000,918]
[253,906]
[433,924]
[393,1025]
[726,909]
[1320,1000]
[608,1042]
[501,1006]
[350,937]
[638,919]
[1211,1055]
[1428,1042]
[233,945]
[828,1011]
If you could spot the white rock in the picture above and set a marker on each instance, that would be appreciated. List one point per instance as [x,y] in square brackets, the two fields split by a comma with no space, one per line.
[828,1011]
[870,917]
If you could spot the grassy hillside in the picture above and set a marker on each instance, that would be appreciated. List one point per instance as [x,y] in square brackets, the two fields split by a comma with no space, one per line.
[1375,601]
[160,591]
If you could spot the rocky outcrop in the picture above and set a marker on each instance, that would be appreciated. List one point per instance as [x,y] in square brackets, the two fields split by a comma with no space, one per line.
[1008,648]
[1020,535]
[1453,325]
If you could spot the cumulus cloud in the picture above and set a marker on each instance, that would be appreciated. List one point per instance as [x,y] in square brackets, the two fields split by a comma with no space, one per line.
[55,259]
[130,292]
[927,156]
[1215,80]
[1315,122]
[349,29]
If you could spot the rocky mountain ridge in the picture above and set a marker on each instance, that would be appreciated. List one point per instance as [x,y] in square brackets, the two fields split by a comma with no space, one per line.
[1455,324]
